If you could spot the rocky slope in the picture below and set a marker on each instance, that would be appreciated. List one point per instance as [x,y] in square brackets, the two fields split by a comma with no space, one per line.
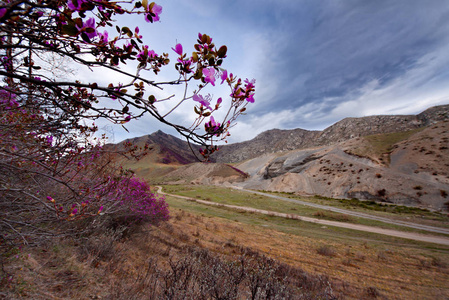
[414,171]
[283,140]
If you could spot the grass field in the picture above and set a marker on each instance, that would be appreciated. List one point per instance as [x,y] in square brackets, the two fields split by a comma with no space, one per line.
[360,262]
[241,198]
[114,265]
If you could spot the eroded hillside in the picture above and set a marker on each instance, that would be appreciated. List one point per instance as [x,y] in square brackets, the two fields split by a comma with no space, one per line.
[411,168]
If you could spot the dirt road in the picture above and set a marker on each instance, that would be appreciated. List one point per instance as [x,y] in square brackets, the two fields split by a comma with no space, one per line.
[396,233]
[354,213]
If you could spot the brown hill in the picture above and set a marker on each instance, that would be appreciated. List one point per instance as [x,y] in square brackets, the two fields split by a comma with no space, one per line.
[165,154]
[205,173]
[276,140]
[410,168]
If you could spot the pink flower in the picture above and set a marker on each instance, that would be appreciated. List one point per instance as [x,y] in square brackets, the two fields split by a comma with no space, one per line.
[153,13]
[75,4]
[89,28]
[209,75]
[137,32]
[250,83]
[100,210]
[103,37]
[212,126]
[203,100]
[224,76]
[49,140]
[142,56]
[2,12]
[152,54]
[178,49]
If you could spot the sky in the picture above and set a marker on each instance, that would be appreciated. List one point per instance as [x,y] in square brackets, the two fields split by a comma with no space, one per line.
[315,62]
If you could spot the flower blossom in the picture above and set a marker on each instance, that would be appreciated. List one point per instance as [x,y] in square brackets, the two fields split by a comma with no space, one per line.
[75,4]
[89,28]
[249,86]
[2,12]
[178,49]
[153,13]
[205,101]
[224,76]
[142,56]
[137,32]
[213,127]
[209,75]
[103,37]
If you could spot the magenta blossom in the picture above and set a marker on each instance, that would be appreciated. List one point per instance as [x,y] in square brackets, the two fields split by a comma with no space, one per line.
[224,76]
[153,13]
[103,37]
[250,83]
[142,56]
[213,127]
[49,139]
[152,54]
[209,75]
[205,101]
[178,49]
[75,4]
[137,32]
[2,12]
[89,28]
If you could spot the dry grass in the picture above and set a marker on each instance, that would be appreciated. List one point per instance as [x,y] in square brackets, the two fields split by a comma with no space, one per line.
[395,271]
[188,258]
[112,267]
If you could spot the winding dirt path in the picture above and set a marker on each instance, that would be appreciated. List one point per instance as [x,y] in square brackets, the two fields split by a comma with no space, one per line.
[396,233]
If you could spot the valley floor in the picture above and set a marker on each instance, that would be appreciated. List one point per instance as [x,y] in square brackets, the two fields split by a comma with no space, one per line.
[396,233]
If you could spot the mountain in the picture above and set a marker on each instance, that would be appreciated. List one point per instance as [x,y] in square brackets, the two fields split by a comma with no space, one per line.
[165,148]
[408,168]
[396,159]
[276,140]
[165,154]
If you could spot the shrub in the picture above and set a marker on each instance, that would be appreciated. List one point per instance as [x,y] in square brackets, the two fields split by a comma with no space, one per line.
[327,250]
[381,193]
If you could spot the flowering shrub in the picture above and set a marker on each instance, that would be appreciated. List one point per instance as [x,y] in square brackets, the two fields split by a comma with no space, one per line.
[52,169]
[135,198]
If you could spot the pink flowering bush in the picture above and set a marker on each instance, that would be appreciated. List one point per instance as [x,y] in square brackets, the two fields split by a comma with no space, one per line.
[136,200]
[50,183]
[53,170]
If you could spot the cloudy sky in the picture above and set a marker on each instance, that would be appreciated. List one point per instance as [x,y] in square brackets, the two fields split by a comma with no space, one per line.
[315,62]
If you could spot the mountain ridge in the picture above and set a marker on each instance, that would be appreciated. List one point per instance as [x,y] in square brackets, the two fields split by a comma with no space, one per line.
[275,140]
[397,159]
[278,140]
